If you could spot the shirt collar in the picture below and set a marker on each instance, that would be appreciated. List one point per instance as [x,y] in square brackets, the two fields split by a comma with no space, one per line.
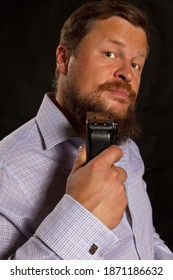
[53,125]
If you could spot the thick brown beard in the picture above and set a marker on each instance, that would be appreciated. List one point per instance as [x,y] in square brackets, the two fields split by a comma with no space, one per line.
[128,126]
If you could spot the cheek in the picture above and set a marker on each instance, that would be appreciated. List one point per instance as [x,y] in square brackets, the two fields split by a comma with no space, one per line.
[136,84]
[86,77]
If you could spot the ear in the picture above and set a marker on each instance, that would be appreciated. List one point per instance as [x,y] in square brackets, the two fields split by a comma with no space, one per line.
[61,59]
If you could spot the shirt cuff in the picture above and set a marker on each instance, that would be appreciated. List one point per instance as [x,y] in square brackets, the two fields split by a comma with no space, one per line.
[74,233]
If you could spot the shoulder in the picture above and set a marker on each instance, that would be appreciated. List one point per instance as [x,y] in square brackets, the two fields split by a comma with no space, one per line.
[15,145]
[132,149]
[133,156]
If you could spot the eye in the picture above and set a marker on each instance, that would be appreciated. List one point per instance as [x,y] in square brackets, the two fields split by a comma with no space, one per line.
[110,54]
[135,66]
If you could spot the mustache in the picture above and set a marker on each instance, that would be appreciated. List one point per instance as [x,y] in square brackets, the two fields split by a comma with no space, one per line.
[116,85]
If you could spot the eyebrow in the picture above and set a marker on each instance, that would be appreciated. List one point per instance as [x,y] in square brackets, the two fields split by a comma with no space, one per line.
[121,44]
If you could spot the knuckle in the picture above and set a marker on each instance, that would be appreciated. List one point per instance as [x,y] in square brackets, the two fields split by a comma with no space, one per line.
[95,164]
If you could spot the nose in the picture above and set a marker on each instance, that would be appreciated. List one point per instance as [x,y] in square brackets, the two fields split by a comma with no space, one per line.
[124,73]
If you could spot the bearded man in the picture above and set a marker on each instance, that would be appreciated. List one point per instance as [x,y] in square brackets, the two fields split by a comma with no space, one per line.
[56,205]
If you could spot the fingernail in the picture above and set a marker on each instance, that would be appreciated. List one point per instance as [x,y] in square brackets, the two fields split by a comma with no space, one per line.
[80,149]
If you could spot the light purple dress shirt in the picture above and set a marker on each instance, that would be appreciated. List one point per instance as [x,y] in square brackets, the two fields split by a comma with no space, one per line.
[39,221]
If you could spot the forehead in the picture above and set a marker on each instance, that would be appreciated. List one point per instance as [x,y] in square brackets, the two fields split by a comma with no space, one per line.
[117,29]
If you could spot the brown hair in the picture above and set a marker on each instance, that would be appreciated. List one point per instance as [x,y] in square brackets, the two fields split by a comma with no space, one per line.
[79,24]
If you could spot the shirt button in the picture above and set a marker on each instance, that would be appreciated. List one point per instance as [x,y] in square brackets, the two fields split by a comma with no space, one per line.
[93,249]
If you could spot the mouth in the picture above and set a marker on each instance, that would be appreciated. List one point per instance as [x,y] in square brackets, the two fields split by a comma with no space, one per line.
[120,93]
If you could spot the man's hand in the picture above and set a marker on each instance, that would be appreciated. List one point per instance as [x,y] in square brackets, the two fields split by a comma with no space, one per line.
[98,185]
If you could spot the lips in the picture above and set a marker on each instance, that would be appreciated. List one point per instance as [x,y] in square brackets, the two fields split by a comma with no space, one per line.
[121,93]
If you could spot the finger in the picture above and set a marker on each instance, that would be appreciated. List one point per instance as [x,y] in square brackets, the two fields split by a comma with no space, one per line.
[110,155]
[122,173]
[80,160]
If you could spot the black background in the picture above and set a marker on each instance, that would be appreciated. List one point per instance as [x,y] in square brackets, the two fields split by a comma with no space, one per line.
[29,35]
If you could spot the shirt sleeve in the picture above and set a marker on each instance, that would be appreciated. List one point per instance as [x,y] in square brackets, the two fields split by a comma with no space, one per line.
[161,251]
[69,232]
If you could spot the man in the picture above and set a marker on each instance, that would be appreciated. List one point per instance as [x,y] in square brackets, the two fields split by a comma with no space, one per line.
[55,205]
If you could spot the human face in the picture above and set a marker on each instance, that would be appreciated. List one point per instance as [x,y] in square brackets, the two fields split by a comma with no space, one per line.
[106,71]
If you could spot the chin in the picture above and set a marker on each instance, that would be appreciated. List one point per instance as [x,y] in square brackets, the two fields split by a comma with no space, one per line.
[118,112]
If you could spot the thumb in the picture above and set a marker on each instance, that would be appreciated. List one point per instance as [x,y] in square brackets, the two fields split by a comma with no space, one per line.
[80,160]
